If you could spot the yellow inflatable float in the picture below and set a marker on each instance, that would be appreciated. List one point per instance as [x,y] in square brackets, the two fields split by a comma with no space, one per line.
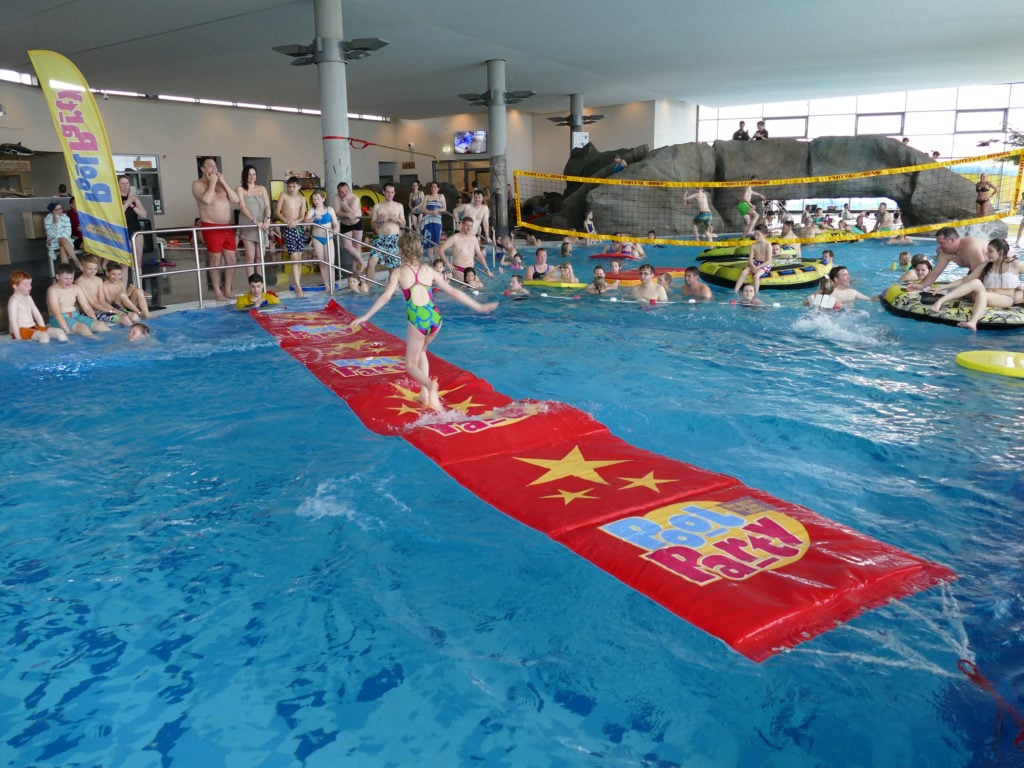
[805,274]
[993,361]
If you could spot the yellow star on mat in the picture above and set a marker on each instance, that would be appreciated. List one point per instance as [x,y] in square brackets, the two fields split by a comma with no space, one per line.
[647,481]
[443,393]
[413,396]
[403,409]
[340,349]
[353,344]
[404,393]
[571,465]
[569,496]
[464,406]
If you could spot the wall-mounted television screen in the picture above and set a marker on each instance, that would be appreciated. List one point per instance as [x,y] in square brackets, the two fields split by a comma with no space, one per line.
[470,142]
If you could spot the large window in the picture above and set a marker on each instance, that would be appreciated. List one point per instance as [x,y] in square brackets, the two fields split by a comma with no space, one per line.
[787,128]
[143,172]
[978,120]
[831,125]
[955,122]
[889,125]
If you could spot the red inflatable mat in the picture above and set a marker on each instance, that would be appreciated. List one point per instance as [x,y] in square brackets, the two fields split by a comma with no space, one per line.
[755,571]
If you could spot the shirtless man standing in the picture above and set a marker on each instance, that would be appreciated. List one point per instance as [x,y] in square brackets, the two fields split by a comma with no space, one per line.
[481,216]
[746,208]
[291,212]
[460,211]
[387,220]
[883,218]
[69,306]
[350,223]
[967,252]
[465,248]
[703,218]
[214,197]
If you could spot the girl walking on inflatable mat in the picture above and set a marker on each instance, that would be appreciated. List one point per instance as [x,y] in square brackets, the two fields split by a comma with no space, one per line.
[418,281]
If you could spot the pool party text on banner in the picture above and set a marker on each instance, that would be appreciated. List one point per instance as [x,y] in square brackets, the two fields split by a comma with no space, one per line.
[83,139]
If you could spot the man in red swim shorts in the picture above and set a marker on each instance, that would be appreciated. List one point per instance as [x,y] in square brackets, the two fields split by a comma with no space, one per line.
[214,197]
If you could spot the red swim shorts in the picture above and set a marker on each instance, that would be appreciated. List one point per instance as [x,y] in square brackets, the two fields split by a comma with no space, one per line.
[217,240]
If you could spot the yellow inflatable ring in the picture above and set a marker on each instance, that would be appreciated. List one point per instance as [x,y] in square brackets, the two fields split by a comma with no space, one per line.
[993,361]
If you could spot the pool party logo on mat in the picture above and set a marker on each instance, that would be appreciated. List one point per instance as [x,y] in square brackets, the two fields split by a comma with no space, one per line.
[705,542]
[484,421]
[370,366]
[310,330]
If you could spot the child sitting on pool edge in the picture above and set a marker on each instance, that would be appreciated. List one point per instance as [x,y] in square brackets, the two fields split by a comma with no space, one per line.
[23,316]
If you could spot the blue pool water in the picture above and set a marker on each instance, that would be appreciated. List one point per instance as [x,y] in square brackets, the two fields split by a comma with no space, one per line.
[208,561]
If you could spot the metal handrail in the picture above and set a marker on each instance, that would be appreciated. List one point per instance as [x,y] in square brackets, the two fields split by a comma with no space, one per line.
[198,270]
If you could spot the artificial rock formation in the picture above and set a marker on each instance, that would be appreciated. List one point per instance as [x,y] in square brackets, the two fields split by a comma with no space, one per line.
[939,195]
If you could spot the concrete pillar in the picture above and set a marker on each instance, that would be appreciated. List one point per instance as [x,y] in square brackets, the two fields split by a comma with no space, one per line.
[675,122]
[497,142]
[333,94]
[575,117]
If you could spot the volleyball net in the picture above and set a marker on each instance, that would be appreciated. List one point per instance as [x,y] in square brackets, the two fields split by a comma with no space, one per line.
[848,206]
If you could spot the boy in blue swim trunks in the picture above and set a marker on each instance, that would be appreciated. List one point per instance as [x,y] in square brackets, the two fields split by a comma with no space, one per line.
[291,212]
[69,306]
[702,229]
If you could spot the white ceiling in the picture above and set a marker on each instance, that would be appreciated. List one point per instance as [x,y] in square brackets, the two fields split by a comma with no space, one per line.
[710,52]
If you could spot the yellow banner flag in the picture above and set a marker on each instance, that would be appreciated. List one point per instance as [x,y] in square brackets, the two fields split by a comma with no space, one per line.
[87,154]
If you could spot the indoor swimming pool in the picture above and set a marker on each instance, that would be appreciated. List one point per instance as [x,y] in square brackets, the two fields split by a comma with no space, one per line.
[208,560]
